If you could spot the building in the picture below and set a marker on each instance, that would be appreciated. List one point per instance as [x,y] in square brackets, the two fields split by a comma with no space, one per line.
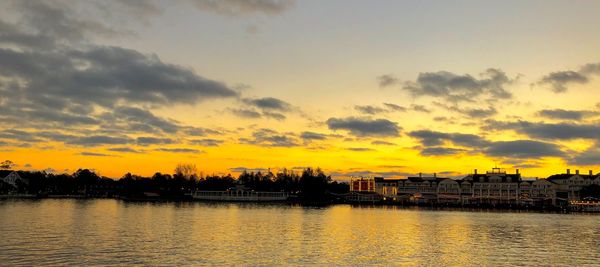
[568,185]
[362,184]
[494,187]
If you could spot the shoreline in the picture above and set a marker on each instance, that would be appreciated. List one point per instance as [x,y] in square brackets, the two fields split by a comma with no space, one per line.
[430,207]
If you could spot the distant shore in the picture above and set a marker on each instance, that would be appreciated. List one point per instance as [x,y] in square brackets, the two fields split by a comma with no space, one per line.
[432,207]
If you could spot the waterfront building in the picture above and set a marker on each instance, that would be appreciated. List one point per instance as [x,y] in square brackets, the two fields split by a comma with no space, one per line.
[387,188]
[240,193]
[494,187]
[362,184]
[568,185]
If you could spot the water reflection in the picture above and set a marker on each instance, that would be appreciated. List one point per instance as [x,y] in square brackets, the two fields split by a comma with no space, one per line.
[77,232]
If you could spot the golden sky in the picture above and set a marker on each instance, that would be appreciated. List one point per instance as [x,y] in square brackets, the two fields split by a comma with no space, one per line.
[389,88]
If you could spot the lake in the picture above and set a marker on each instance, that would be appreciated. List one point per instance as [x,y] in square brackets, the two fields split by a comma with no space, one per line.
[112,232]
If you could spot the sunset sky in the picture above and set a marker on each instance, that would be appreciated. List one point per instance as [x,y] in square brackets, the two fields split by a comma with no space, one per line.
[389,88]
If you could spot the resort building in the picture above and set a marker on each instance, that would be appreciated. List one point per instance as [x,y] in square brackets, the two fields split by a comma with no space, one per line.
[568,185]
[362,184]
[494,187]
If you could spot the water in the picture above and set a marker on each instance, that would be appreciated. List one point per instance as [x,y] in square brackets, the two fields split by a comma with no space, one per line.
[113,232]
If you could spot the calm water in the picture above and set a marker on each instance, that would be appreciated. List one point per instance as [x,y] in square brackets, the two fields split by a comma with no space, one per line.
[100,232]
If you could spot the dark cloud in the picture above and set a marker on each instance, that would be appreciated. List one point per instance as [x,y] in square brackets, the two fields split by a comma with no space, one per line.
[179,150]
[309,136]
[246,113]
[440,151]
[206,142]
[93,154]
[479,112]
[96,140]
[269,104]
[387,80]
[563,131]
[149,140]
[420,108]
[590,157]
[136,116]
[562,114]
[523,149]
[382,143]
[360,149]
[371,110]
[274,115]
[123,149]
[394,107]
[365,126]
[457,88]
[433,138]
[197,131]
[559,80]
[271,138]
[243,8]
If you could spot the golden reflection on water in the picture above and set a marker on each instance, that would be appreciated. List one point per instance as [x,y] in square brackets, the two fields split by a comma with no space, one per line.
[91,232]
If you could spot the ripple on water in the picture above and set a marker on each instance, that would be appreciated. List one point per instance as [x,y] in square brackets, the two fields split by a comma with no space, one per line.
[111,232]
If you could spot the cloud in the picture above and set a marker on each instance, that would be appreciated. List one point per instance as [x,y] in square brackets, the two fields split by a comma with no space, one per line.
[268,104]
[387,80]
[148,140]
[371,110]
[271,138]
[93,154]
[237,8]
[559,80]
[135,115]
[123,149]
[268,107]
[420,108]
[179,150]
[523,149]
[440,151]
[433,142]
[394,107]
[206,142]
[246,113]
[309,136]
[457,88]
[382,143]
[365,126]
[360,149]
[96,140]
[560,131]
[589,157]
[433,138]
[274,115]
[562,114]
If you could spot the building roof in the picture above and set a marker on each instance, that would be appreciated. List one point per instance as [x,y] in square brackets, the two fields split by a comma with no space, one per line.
[564,176]
[485,177]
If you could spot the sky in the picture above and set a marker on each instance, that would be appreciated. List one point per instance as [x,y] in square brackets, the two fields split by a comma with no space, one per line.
[357,88]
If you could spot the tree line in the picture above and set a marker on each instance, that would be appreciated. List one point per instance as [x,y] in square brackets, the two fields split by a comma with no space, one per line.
[309,184]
